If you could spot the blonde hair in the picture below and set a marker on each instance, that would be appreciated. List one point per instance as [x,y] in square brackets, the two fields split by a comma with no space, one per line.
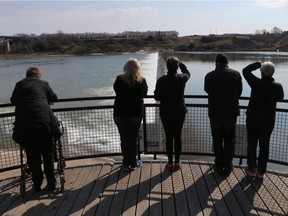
[33,72]
[132,72]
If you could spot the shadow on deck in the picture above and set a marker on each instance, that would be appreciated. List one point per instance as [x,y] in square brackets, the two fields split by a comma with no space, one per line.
[104,189]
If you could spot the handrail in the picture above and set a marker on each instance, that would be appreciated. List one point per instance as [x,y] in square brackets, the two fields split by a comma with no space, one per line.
[91,131]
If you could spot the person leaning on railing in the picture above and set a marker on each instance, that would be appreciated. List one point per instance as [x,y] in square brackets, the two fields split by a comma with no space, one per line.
[170,92]
[32,128]
[224,88]
[265,93]
[130,88]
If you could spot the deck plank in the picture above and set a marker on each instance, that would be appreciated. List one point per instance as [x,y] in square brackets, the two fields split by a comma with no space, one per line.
[281,193]
[251,192]
[240,196]
[104,189]
[75,187]
[167,192]
[179,194]
[9,195]
[100,172]
[220,207]
[130,203]
[155,205]
[204,195]
[191,191]
[144,188]
[260,187]
[109,190]
[120,194]
[275,193]
[84,192]
[229,198]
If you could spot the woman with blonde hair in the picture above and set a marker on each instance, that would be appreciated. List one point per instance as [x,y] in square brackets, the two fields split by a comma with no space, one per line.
[130,88]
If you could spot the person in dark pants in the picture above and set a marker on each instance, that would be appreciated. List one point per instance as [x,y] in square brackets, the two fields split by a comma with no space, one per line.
[265,93]
[32,98]
[130,89]
[170,92]
[224,88]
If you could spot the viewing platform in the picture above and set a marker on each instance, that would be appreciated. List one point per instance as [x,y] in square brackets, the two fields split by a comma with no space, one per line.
[96,185]
[104,189]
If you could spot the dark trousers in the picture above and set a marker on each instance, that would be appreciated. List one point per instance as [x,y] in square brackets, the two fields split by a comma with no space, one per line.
[223,134]
[258,130]
[38,147]
[173,124]
[128,129]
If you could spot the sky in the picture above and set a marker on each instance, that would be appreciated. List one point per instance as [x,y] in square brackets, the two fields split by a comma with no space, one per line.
[188,17]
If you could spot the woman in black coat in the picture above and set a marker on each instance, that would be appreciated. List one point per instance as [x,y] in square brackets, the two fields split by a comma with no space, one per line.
[32,98]
[130,88]
[170,92]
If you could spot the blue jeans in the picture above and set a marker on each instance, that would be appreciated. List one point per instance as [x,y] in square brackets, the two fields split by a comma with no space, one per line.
[128,129]
[223,134]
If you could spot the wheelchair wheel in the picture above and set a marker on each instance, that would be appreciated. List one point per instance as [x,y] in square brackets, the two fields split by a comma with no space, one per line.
[62,181]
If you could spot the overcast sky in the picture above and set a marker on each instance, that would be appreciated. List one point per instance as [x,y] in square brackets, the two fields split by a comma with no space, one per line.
[187,17]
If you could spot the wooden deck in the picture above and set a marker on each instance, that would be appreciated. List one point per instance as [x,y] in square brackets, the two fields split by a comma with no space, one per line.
[103,189]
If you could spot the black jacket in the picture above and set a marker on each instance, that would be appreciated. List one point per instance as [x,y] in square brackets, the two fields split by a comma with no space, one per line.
[224,88]
[32,97]
[170,91]
[129,100]
[265,93]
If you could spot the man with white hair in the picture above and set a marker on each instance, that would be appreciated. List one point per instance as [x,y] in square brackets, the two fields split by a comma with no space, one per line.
[265,93]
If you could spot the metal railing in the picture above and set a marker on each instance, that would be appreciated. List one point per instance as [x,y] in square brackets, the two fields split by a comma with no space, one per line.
[90,130]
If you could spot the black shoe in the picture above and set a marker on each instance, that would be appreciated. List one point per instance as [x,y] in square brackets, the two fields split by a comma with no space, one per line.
[217,168]
[36,188]
[228,170]
[51,187]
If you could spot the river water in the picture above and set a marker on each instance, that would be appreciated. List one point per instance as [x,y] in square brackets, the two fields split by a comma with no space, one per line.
[89,76]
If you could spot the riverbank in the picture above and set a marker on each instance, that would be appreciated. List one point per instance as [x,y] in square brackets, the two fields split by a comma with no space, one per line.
[64,45]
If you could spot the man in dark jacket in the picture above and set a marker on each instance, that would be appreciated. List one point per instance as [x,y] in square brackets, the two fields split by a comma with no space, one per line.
[33,119]
[224,88]
[170,92]
[265,93]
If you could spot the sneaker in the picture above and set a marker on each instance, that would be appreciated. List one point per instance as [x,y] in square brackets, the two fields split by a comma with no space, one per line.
[169,167]
[137,165]
[250,172]
[260,175]
[177,167]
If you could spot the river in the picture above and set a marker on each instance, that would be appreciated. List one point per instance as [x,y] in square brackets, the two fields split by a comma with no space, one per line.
[89,76]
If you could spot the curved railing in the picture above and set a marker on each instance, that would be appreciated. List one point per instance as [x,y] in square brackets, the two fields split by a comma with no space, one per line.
[90,130]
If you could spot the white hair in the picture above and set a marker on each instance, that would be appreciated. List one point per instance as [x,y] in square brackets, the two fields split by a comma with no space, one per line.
[267,69]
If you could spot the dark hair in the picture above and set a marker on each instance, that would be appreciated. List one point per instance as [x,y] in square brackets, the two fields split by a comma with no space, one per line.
[172,63]
[33,72]
[221,59]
